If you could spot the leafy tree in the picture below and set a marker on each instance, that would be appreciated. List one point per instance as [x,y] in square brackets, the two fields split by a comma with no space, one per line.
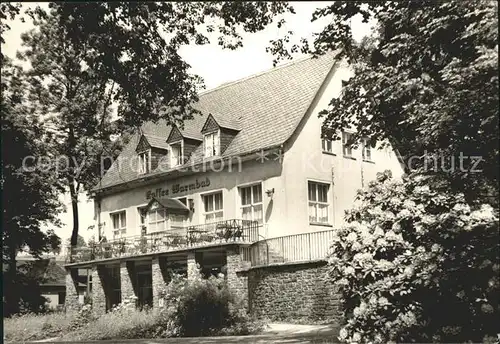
[418,259]
[417,264]
[84,57]
[54,242]
[79,243]
[30,198]
[7,11]
[136,45]
[427,81]
[76,107]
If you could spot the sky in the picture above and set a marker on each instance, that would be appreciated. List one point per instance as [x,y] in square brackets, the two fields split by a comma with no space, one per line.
[214,65]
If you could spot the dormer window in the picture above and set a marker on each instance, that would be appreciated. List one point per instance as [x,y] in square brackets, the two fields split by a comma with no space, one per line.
[145,162]
[211,142]
[176,153]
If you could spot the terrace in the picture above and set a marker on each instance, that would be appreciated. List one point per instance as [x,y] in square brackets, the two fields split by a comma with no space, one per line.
[178,238]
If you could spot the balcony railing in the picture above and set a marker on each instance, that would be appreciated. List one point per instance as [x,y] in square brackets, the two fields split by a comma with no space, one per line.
[292,248]
[225,231]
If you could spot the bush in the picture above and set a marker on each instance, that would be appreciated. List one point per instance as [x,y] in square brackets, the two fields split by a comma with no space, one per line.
[83,317]
[192,307]
[416,263]
[123,322]
[201,307]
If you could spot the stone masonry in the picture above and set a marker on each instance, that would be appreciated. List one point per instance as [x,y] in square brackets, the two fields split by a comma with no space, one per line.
[160,279]
[237,276]
[278,292]
[71,302]
[98,293]
[127,280]
[294,291]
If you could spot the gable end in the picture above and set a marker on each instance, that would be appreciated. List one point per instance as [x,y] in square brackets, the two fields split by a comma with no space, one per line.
[175,135]
[210,125]
[143,144]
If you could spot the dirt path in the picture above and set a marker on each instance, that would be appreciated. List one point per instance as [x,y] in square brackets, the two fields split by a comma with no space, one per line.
[275,333]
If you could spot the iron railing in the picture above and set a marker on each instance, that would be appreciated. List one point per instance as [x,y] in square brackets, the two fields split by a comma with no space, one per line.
[235,230]
[291,248]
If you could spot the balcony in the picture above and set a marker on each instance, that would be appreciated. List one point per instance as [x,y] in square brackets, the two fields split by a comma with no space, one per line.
[226,231]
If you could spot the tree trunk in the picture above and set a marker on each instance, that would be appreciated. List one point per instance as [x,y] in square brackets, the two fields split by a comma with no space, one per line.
[11,292]
[72,189]
[74,207]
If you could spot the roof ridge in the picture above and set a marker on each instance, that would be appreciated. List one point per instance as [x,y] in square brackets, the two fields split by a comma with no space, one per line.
[270,70]
[280,96]
[155,136]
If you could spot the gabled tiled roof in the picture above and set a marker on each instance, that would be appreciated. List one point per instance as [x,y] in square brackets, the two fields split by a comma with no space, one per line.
[227,122]
[157,141]
[267,107]
[171,204]
[47,271]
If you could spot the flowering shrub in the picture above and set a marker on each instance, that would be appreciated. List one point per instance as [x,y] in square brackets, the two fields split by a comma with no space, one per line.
[127,304]
[123,322]
[417,263]
[82,317]
[199,307]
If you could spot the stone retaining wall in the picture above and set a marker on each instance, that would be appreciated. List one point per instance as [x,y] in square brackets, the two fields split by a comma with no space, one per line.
[295,291]
[278,292]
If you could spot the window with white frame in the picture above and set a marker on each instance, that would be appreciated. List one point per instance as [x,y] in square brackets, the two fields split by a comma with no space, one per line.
[211,144]
[119,223]
[176,154]
[176,221]
[213,207]
[251,203]
[144,162]
[327,145]
[157,220]
[346,145]
[367,150]
[318,202]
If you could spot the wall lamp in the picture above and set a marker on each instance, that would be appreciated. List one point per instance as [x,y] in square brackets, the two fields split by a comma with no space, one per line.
[270,192]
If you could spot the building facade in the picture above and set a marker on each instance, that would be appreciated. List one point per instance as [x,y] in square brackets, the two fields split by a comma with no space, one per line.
[250,168]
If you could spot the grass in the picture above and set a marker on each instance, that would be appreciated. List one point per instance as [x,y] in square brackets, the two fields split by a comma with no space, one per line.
[124,324]
[302,321]
[34,327]
[129,324]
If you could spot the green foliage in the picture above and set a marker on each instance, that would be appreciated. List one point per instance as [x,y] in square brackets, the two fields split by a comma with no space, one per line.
[86,57]
[32,197]
[417,264]
[125,323]
[75,104]
[27,327]
[200,307]
[191,308]
[83,317]
[80,242]
[7,11]
[136,46]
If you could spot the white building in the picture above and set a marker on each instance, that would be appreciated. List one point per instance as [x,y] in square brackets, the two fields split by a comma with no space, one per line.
[252,166]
